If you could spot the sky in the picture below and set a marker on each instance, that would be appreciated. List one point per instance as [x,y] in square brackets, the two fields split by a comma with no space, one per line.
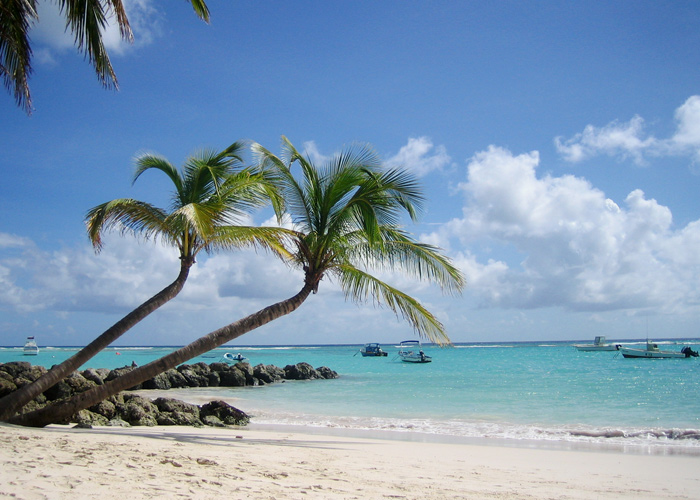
[557,143]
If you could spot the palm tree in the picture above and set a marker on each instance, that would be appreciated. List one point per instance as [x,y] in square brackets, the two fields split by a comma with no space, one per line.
[346,220]
[211,195]
[86,19]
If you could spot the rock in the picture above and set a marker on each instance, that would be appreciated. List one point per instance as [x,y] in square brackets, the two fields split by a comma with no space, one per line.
[213,421]
[160,381]
[301,371]
[117,372]
[326,372]
[58,391]
[232,377]
[268,373]
[176,379]
[175,412]
[224,412]
[6,386]
[16,368]
[118,422]
[139,411]
[194,375]
[86,419]
[97,376]
[78,383]
[105,408]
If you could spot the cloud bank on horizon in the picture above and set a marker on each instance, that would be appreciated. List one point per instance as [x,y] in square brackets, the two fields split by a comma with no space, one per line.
[524,241]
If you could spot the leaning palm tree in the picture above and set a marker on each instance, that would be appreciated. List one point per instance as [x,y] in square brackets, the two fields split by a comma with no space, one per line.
[212,194]
[86,19]
[346,221]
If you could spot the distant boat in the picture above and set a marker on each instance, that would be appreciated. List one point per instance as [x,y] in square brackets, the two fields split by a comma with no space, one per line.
[653,351]
[233,358]
[599,344]
[30,347]
[372,350]
[411,351]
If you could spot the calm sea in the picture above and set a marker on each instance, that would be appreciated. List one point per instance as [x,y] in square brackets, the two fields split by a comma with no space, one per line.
[535,391]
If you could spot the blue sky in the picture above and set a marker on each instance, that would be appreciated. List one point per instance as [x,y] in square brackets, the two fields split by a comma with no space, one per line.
[558,144]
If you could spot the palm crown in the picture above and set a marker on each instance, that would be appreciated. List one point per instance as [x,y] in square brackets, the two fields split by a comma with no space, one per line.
[346,219]
[212,195]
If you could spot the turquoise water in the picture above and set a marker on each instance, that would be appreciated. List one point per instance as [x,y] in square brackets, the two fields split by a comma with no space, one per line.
[525,391]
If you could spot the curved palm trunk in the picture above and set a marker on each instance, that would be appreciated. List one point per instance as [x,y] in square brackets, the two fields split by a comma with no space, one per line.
[65,410]
[13,402]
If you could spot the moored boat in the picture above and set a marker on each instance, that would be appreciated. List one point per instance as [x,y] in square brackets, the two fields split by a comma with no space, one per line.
[372,350]
[233,358]
[30,347]
[652,351]
[411,351]
[599,344]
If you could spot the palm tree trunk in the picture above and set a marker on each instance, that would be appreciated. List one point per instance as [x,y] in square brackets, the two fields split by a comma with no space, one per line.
[64,410]
[13,402]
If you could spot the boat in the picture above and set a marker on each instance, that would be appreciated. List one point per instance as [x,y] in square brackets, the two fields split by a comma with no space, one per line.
[599,344]
[372,350]
[30,347]
[652,351]
[234,358]
[411,351]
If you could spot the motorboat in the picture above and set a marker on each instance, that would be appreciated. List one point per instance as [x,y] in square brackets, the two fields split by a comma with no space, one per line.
[30,347]
[411,351]
[652,351]
[372,350]
[234,358]
[599,344]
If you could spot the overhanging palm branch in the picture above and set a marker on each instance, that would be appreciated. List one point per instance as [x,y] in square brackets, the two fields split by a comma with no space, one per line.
[86,20]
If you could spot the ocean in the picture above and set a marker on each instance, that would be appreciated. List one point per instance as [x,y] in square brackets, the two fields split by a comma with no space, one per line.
[527,393]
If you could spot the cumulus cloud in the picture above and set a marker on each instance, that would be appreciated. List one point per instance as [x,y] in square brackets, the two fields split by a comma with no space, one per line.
[420,156]
[126,273]
[565,244]
[630,140]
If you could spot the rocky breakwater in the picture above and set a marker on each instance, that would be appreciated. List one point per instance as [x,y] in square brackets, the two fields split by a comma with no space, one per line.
[131,409]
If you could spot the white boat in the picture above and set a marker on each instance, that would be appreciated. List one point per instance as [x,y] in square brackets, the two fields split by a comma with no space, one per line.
[30,347]
[599,344]
[372,350]
[412,352]
[652,351]
[233,358]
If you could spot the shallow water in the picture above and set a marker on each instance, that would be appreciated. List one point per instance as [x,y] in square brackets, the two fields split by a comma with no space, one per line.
[524,391]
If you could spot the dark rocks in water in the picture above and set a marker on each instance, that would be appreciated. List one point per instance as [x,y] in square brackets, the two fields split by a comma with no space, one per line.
[224,412]
[126,409]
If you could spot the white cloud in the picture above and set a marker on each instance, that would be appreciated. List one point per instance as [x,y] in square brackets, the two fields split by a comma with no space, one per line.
[629,140]
[574,248]
[420,156]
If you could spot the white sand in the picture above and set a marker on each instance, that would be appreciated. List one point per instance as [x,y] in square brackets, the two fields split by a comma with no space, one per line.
[182,462]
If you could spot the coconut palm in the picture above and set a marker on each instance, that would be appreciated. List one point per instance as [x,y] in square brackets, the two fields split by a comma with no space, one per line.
[346,221]
[211,195]
[86,19]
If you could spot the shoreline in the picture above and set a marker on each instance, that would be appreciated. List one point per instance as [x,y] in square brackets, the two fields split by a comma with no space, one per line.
[143,462]
[402,430]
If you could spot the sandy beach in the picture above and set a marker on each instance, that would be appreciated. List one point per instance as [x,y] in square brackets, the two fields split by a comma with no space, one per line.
[180,462]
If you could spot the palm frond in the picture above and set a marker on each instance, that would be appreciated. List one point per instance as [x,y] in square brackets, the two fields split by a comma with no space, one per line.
[87,19]
[360,286]
[15,49]
[273,239]
[201,9]
[150,161]
[398,251]
[128,215]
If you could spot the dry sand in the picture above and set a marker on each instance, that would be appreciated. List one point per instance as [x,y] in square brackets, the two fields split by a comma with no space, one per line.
[182,462]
